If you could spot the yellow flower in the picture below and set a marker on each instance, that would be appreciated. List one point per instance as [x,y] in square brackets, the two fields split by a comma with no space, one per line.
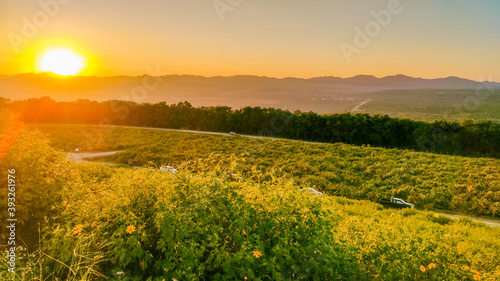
[477,277]
[466,267]
[56,230]
[422,268]
[431,266]
[130,229]
[453,264]
[254,167]
[112,179]
[246,278]
[52,208]
[446,235]
[78,229]
[257,254]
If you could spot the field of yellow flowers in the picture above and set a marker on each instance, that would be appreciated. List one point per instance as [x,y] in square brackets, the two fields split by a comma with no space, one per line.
[430,181]
[88,221]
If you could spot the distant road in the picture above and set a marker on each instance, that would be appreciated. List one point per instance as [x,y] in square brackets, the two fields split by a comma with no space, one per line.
[211,133]
[356,108]
[492,223]
[79,157]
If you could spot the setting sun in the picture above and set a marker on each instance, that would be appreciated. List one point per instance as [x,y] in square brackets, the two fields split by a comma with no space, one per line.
[62,62]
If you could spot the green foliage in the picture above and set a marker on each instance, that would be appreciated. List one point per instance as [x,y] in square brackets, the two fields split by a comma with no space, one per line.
[203,227]
[436,104]
[466,138]
[466,185]
[38,175]
[201,224]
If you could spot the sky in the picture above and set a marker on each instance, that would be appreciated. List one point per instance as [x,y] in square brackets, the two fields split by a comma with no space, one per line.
[279,38]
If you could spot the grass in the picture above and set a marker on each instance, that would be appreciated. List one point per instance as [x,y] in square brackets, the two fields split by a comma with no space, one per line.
[205,223]
[430,181]
[204,226]
[435,104]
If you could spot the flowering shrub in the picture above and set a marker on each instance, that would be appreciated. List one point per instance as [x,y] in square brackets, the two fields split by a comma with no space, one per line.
[430,181]
[207,223]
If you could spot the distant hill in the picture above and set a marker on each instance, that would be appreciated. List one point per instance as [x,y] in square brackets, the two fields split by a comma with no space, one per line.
[319,94]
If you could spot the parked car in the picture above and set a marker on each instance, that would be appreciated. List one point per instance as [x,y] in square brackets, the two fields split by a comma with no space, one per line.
[234,177]
[395,203]
[312,191]
[232,133]
[168,169]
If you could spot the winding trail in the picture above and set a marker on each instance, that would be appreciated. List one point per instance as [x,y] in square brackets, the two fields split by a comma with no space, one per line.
[356,108]
[80,157]
[488,222]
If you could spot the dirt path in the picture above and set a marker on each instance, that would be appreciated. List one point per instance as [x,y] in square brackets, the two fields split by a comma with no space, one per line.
[80,157]
[492,223]
[356,108]
[215,133]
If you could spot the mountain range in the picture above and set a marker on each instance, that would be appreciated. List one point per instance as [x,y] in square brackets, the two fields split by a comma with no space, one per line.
[321,94]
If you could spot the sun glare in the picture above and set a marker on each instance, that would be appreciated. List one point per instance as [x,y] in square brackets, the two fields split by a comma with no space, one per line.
[62,62]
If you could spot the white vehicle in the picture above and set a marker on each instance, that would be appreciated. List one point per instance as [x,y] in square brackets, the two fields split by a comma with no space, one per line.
[232,133]
[234,177]
[168,169]
[313,191]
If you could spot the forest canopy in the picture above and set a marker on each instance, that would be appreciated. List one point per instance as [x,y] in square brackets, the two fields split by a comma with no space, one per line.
[466,138]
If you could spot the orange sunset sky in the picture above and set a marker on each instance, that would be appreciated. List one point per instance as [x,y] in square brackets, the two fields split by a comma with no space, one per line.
[428,39]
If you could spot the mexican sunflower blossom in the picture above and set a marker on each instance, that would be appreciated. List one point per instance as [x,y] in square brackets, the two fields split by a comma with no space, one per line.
[130,229]
[431,266]
[78,229]
[477,277]
[422,268]
[257,254]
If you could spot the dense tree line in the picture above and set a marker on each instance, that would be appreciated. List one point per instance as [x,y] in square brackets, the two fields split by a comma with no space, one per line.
[467,138]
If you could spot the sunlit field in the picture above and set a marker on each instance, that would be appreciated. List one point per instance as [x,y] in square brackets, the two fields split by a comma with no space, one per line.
[431,181]
[249,140]
[231,214]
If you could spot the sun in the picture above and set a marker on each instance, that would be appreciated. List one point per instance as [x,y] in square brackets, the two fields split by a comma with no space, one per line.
[62,62]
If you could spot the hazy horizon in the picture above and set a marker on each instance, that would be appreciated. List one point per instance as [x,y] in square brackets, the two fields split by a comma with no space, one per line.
[486,79]
[273,39]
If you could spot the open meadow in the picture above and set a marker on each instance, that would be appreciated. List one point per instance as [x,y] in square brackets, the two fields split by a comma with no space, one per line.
[430,181]
[232,140]
[205,222]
